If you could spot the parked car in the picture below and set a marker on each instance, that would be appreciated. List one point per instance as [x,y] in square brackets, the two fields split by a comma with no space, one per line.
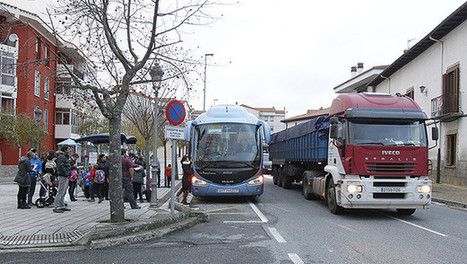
[267,164]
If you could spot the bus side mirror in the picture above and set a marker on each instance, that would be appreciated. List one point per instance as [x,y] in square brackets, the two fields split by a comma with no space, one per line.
[188,131]
[266,132]
[434,133]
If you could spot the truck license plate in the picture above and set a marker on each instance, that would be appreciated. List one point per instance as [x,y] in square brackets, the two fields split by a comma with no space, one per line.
[228,190]
[391,189]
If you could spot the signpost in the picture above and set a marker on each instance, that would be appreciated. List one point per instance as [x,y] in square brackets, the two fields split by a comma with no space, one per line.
[175,112]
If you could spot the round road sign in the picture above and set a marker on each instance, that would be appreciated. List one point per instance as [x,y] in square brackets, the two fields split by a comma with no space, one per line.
[175,112]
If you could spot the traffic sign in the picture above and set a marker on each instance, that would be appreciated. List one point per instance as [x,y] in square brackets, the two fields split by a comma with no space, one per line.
[175,112]
[173,132]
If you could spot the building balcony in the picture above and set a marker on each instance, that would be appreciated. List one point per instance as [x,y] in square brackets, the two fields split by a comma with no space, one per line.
[64,101]
[66,131]
[446,107]
[64,74]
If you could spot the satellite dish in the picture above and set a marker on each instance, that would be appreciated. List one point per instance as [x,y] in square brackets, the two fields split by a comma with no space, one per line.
[13,37]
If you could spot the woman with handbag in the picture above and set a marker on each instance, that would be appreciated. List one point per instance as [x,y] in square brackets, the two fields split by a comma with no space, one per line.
[23,179]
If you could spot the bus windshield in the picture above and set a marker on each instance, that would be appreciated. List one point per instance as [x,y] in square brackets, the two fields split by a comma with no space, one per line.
[227,146]
[394,133]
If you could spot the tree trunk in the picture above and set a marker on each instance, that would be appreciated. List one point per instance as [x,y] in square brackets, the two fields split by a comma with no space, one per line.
[147,161]
[117,213]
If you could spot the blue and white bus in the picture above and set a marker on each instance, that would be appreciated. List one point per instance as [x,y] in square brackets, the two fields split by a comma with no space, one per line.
[227,152]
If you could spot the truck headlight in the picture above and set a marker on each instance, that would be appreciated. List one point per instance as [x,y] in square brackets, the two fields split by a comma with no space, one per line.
[258,180]
[197,181]
[424,189]
[354,188]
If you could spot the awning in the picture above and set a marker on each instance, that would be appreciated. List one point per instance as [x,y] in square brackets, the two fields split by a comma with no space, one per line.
[69,142]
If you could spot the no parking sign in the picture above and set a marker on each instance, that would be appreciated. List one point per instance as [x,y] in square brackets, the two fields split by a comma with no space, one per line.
[175,112]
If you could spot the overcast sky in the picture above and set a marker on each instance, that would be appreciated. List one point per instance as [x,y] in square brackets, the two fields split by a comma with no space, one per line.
[291,54]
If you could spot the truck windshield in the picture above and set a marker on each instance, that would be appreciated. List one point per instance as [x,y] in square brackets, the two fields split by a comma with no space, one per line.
[227,146]
[394,133]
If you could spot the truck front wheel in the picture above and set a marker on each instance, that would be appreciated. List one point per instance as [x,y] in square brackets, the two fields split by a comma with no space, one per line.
[405,211]
[332,200]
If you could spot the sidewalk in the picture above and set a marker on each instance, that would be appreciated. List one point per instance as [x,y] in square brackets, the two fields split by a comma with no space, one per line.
[83,225]
[451,195]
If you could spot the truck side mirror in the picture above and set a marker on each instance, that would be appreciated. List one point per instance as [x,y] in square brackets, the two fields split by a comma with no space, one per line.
[434,133]
[333,131]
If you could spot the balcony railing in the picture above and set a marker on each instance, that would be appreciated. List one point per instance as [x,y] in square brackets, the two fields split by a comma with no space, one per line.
[446,105]
[62,71]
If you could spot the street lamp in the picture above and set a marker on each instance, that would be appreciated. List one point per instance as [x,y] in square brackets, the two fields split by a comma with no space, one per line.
[205,68]
[156,77]
[37,118]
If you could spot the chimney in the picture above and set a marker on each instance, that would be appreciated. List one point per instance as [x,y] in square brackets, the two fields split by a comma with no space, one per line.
[353,71]
[359,67]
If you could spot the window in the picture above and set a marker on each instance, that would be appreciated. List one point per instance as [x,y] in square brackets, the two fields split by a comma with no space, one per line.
[451,90]
[62,118]
[8,104]
[410,93]
[8,71]
[451,150]
[46,119]
[38,48]
[46,88]
[37,84]
[46,55]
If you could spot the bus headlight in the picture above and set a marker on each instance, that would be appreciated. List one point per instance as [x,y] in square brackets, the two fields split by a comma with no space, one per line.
[354,188]
[258,180]
[197,181]
[424,189]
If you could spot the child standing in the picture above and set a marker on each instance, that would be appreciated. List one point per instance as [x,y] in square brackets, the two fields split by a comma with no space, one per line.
[168,175]
[87,183]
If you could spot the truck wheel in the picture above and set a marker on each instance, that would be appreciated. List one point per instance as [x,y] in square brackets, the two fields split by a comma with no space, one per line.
[279,177]
[405,211]
[332,200]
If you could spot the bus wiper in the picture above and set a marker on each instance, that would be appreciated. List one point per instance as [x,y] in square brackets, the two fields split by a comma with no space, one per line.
[245,163]
[371,143]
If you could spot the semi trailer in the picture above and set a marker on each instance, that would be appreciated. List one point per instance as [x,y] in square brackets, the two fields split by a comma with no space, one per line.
[370,152]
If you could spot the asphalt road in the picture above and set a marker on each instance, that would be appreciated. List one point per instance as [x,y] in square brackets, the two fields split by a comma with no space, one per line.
[282,227]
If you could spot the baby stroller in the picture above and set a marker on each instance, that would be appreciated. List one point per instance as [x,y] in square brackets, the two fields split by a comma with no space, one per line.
[47,181]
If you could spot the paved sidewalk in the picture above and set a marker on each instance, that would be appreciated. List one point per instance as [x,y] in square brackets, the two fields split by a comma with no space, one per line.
[449,194]
[42,227]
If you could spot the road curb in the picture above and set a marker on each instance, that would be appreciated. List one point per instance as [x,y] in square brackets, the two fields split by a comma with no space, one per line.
[449,203]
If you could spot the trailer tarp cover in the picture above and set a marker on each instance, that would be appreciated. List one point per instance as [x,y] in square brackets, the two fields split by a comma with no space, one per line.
[320,123]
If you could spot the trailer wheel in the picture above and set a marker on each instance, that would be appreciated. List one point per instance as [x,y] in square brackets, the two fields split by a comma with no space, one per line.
[286,181]
[279,176]
[274,175]
[332,200]
[405,211]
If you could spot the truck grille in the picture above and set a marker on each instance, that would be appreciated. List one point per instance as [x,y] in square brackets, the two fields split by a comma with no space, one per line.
[396,168]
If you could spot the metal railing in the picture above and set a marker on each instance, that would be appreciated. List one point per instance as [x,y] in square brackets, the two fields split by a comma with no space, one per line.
[446,104]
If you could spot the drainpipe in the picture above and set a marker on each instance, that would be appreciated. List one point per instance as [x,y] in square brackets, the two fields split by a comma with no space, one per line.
[389,83]
[438,157]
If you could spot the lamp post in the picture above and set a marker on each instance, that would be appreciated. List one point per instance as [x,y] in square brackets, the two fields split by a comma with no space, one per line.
[37,118]
[205,68]
[156,76]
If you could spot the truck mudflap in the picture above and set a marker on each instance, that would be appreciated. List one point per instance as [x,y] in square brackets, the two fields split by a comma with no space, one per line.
[384,193]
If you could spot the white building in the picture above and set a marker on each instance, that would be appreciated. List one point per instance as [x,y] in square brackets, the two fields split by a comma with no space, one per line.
[431,73]
[270,115]
[299,119]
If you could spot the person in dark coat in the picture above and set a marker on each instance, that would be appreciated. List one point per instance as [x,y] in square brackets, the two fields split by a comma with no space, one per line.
[104,165]
[48,166]
[23,179]
[186,183]
[63,174]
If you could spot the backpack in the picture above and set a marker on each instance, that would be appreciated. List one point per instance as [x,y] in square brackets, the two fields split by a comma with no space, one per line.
[73,176]
[50,166]
[99,177]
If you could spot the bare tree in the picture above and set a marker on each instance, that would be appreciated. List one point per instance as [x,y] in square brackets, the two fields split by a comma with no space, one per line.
[139,110]
[122,40]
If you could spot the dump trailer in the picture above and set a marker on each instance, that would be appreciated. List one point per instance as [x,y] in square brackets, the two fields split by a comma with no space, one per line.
[371,152]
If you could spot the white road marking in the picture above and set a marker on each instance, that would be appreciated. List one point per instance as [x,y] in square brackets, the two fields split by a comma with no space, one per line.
[276,235]
[412,224]
[295,258]
[346,228]
[258,212]
[243,222]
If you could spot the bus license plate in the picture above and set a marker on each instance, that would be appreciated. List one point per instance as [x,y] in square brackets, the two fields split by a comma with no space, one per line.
[228,190]
[391,189]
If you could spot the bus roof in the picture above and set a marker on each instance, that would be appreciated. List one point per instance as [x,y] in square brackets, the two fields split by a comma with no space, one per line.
[226,113]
